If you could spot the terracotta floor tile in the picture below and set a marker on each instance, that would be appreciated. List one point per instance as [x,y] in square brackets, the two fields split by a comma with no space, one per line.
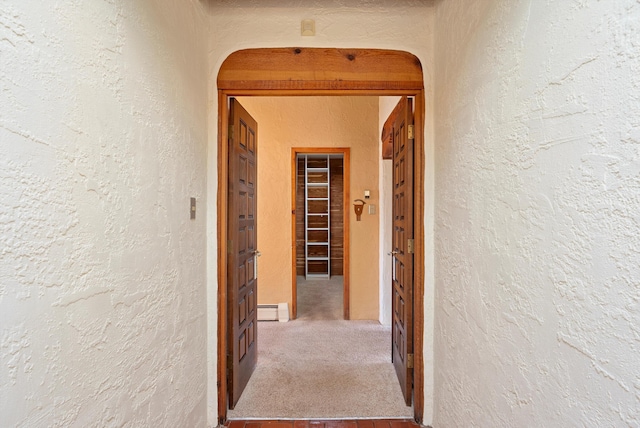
[236,424]
[365,424]
[348,424]
[278,424]
[402,424]
[381,424]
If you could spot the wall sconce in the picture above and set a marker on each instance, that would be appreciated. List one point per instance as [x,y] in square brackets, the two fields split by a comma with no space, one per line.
[358,207]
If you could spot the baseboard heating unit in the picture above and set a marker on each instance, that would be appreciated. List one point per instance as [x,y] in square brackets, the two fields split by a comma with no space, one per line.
[279,312]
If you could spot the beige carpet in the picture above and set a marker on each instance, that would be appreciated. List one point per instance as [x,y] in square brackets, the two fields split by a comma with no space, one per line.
[322,370]
[320,299]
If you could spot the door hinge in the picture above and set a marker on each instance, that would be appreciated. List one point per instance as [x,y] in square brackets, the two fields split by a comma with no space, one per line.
[229,246]
[231,132]
[410,131]
[409,361]
[410,246]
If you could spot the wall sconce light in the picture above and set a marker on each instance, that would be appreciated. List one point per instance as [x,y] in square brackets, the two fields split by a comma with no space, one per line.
[358,207]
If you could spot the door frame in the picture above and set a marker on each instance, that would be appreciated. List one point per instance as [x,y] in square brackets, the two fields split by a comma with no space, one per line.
[321,72]
[346,167]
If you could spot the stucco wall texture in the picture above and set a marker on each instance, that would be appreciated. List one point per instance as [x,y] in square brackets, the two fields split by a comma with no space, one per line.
[102,275]
[104,135]
[287,122]
[537,213]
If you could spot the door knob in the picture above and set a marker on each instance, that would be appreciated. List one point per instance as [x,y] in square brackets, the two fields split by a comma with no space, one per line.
[392,253]
[257,253]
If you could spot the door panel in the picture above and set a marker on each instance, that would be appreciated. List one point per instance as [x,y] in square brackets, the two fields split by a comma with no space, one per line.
[402,266]
[242,280]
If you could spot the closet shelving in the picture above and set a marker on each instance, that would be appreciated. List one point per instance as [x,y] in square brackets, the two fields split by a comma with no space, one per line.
[317,216]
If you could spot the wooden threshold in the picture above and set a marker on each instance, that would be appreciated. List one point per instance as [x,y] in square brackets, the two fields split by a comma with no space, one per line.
[321,423]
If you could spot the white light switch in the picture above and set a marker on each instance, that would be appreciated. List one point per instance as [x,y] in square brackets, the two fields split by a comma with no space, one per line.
[372,209]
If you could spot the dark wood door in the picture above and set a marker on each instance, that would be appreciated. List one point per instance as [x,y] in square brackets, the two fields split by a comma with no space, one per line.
[241,270]
[402,265]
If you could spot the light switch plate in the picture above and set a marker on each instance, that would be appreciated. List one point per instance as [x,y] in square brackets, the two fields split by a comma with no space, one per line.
[308,27]
[372,209]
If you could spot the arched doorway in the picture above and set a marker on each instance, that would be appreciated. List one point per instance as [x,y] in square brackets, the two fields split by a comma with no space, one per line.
[326,72]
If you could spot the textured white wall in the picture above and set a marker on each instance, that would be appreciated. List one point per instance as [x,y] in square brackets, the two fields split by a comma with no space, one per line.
[102,275]
[386,24]
[537,213]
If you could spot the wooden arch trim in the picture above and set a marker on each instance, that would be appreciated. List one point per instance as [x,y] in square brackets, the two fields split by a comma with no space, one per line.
[312,72]
[321,69]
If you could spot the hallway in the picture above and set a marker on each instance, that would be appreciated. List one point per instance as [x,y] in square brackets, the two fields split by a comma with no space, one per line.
[322,370]
[320,299]
[112,189]
[322,367]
